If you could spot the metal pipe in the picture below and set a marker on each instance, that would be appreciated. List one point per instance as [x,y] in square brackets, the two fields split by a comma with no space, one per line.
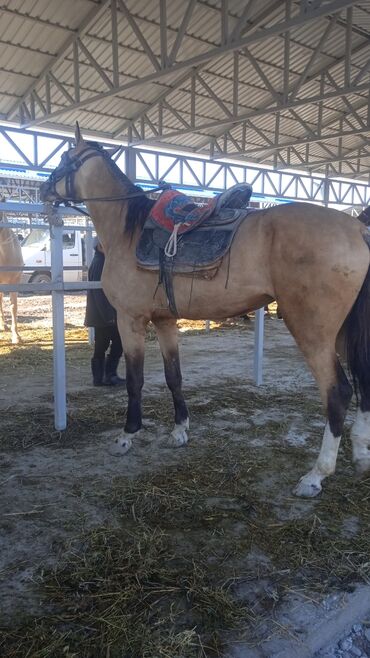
[59,364]
[258,346]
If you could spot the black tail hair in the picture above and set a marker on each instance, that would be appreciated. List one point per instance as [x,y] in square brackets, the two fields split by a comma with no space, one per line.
[364,216]
[358,342]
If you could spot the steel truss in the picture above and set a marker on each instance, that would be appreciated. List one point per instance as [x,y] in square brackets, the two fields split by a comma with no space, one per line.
[238,131]
[193,174]
[20,190]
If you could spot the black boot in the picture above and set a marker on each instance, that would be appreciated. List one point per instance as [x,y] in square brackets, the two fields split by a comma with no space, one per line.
[111,378]
[97,369]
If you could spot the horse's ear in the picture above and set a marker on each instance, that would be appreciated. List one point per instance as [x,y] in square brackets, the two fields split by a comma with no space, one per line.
[112,151]
[78,136]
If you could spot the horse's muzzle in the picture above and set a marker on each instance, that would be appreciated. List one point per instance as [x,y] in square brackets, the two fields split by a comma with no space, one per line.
[46,192]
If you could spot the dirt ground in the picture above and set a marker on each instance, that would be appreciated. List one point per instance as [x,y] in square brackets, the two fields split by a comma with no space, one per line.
[248,447]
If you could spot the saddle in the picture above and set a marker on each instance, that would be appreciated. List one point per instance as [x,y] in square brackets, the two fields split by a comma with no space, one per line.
[182,237]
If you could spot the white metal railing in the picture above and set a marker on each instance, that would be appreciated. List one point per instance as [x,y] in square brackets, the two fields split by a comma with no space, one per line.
[57,287]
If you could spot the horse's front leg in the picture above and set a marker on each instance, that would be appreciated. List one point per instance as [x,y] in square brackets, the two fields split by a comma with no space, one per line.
[13,296]
[132,332]
[168,340]
[3,326]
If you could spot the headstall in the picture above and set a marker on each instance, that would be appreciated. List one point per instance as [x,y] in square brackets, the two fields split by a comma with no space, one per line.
[69,167]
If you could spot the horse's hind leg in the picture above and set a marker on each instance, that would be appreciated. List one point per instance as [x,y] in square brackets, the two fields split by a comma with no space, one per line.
[336,393]
[360,437]
[13,312]
[167,333]
[360,432]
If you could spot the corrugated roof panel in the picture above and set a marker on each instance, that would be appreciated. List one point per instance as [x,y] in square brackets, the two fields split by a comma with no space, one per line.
[21,62]
[22,65]
[30,33]
[69,13]
[361,17]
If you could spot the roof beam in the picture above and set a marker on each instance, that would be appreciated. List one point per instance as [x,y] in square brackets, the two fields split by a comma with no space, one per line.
[306,78]
[42,78]
[130,19]
[319,164]
[314,139]
[313,57]
[181,32]
[243,20]
[265,111]
[227,47]
[320,127]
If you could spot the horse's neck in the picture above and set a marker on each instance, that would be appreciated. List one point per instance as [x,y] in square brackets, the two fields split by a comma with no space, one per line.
[6,235]
[109,217]
[10,249]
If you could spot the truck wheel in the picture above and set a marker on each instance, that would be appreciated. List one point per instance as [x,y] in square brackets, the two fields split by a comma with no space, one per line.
[42,277]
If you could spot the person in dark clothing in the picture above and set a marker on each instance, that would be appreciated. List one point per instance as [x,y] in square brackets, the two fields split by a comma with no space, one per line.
[102,316]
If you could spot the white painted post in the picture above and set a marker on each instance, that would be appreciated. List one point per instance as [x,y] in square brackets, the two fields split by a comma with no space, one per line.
[89,257]
[59,354]
[258,345]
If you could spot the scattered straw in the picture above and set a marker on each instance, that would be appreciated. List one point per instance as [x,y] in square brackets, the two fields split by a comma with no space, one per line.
[164,577]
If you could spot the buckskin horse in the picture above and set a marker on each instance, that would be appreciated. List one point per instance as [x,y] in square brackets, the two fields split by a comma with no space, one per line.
[10,255]
[313,260]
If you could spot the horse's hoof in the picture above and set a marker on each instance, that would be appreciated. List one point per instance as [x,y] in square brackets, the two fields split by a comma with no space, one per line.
[123,444]
[307,488]
[178,437]
[362,467]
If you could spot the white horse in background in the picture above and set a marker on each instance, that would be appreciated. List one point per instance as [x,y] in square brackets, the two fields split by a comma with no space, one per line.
[10,255]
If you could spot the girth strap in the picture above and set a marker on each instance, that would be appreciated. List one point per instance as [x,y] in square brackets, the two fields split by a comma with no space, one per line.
[166,277]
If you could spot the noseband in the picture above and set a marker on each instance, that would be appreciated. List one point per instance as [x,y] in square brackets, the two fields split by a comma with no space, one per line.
[69,167]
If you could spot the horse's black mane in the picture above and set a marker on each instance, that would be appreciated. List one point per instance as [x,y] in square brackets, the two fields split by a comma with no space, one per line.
[138,207]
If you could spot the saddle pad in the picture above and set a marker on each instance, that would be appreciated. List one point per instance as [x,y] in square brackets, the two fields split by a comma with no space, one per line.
[197,250]
[174,208]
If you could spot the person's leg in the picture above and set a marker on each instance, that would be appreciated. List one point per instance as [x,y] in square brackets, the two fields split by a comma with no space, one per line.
[101,344]
[111,362]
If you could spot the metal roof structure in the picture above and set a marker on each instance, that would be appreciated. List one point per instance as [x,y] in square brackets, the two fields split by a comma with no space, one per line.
[283,83]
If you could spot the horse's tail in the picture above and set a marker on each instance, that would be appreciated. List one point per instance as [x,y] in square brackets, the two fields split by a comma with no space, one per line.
[364,216]
[357,328]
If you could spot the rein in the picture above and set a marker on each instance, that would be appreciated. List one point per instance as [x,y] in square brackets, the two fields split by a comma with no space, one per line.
[68,204]
[69,168]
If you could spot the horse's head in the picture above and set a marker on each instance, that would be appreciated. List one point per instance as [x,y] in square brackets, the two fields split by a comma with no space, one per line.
[78,178]
[65,183]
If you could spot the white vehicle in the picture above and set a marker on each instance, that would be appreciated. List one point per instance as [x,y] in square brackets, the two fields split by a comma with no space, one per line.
[36,254]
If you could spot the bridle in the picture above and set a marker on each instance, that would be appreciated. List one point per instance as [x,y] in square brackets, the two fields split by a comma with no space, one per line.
[70,166]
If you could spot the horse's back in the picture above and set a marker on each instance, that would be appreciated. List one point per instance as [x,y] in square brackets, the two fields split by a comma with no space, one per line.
[307,216]
[319,261]
[308,234]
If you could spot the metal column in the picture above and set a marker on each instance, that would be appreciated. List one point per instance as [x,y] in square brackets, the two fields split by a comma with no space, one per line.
[130,161]
[57,298]
[89,257]
[258,346]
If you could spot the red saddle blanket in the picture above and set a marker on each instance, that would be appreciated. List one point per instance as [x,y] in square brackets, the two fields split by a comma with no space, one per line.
[174,208]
